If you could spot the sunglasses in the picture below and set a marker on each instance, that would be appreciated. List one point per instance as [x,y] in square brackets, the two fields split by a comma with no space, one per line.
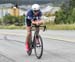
[36,11]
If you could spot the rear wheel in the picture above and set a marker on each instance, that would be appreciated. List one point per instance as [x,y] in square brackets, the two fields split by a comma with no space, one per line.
[38,46]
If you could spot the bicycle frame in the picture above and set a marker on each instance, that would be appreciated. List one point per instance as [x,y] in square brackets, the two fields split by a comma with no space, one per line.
[38,43]
[37,29]
[33,42]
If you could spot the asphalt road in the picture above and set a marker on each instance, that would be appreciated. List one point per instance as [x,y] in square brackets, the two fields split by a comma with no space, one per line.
[13,50]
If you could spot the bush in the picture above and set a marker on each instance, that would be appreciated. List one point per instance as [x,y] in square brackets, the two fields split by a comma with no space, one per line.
[0,21]
[18,21]
[60,17]
[67,14]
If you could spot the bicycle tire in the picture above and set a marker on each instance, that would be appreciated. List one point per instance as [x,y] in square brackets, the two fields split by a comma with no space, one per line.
[41,53]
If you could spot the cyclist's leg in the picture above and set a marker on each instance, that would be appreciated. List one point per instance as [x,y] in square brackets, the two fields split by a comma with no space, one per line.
[28,28]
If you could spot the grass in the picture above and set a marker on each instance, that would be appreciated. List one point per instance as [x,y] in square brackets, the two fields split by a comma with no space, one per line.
[61,26]
[49,26]
[12,27]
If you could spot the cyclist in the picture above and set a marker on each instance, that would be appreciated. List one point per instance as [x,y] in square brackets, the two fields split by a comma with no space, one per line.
[33,17]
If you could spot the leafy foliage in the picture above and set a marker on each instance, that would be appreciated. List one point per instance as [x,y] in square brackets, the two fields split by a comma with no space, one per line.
[67,14]
[19,21]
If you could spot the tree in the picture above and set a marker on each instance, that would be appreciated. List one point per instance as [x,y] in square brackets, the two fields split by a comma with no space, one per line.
[72,4]
[66,15]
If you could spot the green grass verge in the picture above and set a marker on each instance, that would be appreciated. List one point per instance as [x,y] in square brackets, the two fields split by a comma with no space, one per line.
[49,26]
[61,26]
[12,27]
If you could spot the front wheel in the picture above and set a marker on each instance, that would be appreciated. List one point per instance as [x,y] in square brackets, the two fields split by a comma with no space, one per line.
[38,46]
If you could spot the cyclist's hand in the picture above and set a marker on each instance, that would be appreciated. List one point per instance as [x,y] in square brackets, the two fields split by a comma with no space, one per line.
[37,22]
[33,22]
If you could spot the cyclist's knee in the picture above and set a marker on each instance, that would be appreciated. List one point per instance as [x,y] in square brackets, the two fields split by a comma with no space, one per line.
[29,33]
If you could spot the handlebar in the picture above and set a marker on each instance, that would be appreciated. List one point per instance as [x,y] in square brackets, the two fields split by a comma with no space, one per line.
[44,26]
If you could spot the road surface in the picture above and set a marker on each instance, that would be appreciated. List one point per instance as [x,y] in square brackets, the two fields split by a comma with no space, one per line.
[13,50]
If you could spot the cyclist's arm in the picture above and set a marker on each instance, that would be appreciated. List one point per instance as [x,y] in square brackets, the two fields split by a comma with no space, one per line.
[38,22]
[33,22]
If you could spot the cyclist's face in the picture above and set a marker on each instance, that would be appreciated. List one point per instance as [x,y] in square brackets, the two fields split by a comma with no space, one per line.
[36,12]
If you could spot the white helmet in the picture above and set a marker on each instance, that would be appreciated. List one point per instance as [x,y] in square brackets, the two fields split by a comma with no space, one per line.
[35,7]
